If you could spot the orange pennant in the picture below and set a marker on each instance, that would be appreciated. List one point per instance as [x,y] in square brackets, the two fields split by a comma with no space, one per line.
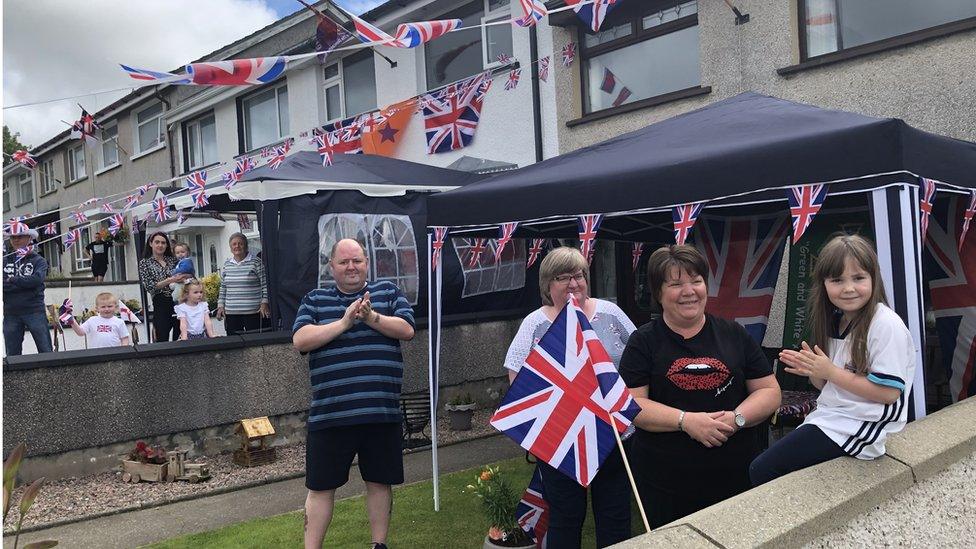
[383,137]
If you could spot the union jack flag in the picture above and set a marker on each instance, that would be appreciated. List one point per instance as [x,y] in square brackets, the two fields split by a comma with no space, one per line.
[180,216]
[684,217]
[368,33]
[160,209]
[332,143]
[196,183]
[951,273]
[513,79]
[544,69]
[636,253]
[130,201]
[64,312]
[505,231]
[925,204]
[25,158]
[967,217]
[278,158]
[504,58]
[107,208]
[805,203]
[532,512]
[51,228]
[560,404]
[588,226]
[115,224]
[569,54]
[147,75]
[16,226]
[243,165]
[244,221]
[71,238]
[236,72]
[24,252]
[437,243]
[478,246]
[743,255]
[411,35]
[143,189]
[451,116]
[592,12]
[535,250]
[79,217]
[532,12]
[85,128]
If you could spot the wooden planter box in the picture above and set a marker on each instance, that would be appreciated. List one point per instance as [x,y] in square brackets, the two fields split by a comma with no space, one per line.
[134,471]
[253,457]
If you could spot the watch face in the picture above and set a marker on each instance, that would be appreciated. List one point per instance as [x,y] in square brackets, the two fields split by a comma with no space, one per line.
[740,420]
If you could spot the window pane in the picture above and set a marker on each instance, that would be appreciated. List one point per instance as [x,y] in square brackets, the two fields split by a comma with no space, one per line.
[193,153]
[208,140]
[359,82]
[150,113]
[496,4]
[110,151]
[283,112]
[456,55]
[499,42]
[332,71]
[670,14]
[821,26]
[149,135]
[607,35]
[260,119]
[653,67]
[865,21]
[333,108]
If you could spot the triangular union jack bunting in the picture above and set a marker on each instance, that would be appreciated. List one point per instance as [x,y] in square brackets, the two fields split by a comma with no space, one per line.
[478,246]
[505,231]
[805,203]
[532,512]
[560,404]
[437,243]
[967,217]
[684,218]
[588,226]
[636,252]
[535,250]
[927,192]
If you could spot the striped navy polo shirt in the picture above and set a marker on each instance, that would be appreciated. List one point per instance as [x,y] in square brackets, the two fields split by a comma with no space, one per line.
[356,378]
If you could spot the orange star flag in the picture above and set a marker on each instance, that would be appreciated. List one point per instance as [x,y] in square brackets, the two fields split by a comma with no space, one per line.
[383,137]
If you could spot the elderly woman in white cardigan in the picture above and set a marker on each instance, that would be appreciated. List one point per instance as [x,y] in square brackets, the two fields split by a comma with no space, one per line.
[243,300]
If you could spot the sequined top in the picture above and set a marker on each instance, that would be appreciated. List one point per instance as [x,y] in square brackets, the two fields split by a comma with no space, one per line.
[609,322]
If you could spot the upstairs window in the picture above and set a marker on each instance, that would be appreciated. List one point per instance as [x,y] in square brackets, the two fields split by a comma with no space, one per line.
[652,54]
[199,142]
[46,174]
[25,187]
[265,115]
[466,52]
[828,26]
[76,164]
[350,86]
[150,132]
[6,196]
[110,146]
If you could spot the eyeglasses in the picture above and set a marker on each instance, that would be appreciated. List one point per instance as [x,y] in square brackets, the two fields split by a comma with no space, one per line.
[565,278]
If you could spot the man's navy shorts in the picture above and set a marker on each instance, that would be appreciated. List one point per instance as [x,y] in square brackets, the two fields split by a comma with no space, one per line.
[329,453]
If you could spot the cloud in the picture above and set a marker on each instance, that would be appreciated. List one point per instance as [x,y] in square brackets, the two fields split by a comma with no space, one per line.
[55,49]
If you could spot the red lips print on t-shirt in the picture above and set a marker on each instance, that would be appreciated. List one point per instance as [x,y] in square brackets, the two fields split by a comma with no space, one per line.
[698,373]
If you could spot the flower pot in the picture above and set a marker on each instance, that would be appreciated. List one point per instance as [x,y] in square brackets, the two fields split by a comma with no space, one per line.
[520,543]
[135,471]
[460,415]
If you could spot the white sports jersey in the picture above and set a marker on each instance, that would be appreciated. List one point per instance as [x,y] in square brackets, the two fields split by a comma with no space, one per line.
[859,426]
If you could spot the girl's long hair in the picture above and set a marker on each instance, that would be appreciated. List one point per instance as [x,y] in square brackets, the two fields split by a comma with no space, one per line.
[830,264]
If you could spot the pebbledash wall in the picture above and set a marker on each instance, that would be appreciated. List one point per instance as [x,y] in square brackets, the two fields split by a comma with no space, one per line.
[79,411]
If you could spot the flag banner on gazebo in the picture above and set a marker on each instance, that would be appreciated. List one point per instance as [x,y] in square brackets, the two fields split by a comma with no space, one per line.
[567,398]
[805,203]
[684,218]
[637,250]
[926,196]
[196,183]
[437,246]
[951,275]
[967,217]
[743,255]
[505,231]
[588,226]
[532,512]
[535,250]
[478,247]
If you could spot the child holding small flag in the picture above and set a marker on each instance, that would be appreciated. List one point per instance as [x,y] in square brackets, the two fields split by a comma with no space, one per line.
[104,329]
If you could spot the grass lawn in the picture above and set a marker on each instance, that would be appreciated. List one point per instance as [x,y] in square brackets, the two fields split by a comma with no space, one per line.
[460,522]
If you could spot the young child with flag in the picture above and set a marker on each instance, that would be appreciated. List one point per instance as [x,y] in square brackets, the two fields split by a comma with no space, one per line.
[104,329]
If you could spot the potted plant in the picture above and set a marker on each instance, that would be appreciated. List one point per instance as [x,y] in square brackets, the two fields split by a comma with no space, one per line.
[144,463]
[499,502]
[460,409]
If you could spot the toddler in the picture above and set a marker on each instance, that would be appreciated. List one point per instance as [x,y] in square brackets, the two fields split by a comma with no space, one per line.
[193,313]
[103,330]
[184,266]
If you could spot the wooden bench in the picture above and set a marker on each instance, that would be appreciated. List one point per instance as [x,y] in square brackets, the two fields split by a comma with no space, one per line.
[416,417]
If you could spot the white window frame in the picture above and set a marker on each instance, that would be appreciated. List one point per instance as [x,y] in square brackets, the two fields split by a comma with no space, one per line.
[328,82]
[194,126]
[79,261]
[503,12]
[248,146]
[73,175]
[105,141]
[49,183]
[136,125]
[25,180]
[6,196]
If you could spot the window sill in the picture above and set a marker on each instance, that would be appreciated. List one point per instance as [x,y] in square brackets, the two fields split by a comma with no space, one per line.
[47,193]
[107,168]
[147,152]
[75,181]
[880,46]
[23,203]
[200,169]
[642,104]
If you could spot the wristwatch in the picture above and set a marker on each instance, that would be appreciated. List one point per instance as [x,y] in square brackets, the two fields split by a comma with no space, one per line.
[740,420]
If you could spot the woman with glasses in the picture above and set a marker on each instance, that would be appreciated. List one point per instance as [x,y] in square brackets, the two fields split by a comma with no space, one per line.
[565,272]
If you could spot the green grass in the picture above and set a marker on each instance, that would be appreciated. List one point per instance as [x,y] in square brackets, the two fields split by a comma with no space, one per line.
[460,522]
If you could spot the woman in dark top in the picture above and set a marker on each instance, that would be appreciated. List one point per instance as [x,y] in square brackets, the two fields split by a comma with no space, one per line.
[702,384]
[154,270]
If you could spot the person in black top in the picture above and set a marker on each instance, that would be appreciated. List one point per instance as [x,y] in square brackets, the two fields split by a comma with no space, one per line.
[155,267]
[703,384]
[97,252]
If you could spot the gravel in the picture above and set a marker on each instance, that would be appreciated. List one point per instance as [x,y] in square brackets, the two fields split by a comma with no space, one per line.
[937,512]
[71,499]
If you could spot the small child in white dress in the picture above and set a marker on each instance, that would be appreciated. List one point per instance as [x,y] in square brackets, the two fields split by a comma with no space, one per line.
[193,313]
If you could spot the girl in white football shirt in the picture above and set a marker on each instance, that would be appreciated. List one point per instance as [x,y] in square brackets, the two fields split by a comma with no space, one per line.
[862,360]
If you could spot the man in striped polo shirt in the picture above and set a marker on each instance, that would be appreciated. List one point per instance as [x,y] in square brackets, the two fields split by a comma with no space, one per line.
[353,332]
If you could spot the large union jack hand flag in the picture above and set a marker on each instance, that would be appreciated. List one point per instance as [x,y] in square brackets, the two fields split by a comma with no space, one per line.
[451,116]
[560,404]
[532,512]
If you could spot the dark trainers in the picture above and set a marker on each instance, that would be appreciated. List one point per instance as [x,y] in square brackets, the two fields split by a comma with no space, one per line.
[379,545]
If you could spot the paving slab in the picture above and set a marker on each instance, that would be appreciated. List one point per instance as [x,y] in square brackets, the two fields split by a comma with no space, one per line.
[146,526]
[935,442]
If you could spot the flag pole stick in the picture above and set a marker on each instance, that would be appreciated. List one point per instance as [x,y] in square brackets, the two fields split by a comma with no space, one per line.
[630,475]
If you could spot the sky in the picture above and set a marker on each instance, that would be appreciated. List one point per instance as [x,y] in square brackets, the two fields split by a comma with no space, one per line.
[54,48]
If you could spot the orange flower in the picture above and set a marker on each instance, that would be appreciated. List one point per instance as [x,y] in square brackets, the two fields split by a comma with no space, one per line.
[495,533]
[485,475]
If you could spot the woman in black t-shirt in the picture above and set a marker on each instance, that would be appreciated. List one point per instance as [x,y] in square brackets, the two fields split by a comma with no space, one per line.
[702,383]
[97,252]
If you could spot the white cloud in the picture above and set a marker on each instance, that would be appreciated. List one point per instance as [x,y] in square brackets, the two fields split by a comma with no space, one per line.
[55,49]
